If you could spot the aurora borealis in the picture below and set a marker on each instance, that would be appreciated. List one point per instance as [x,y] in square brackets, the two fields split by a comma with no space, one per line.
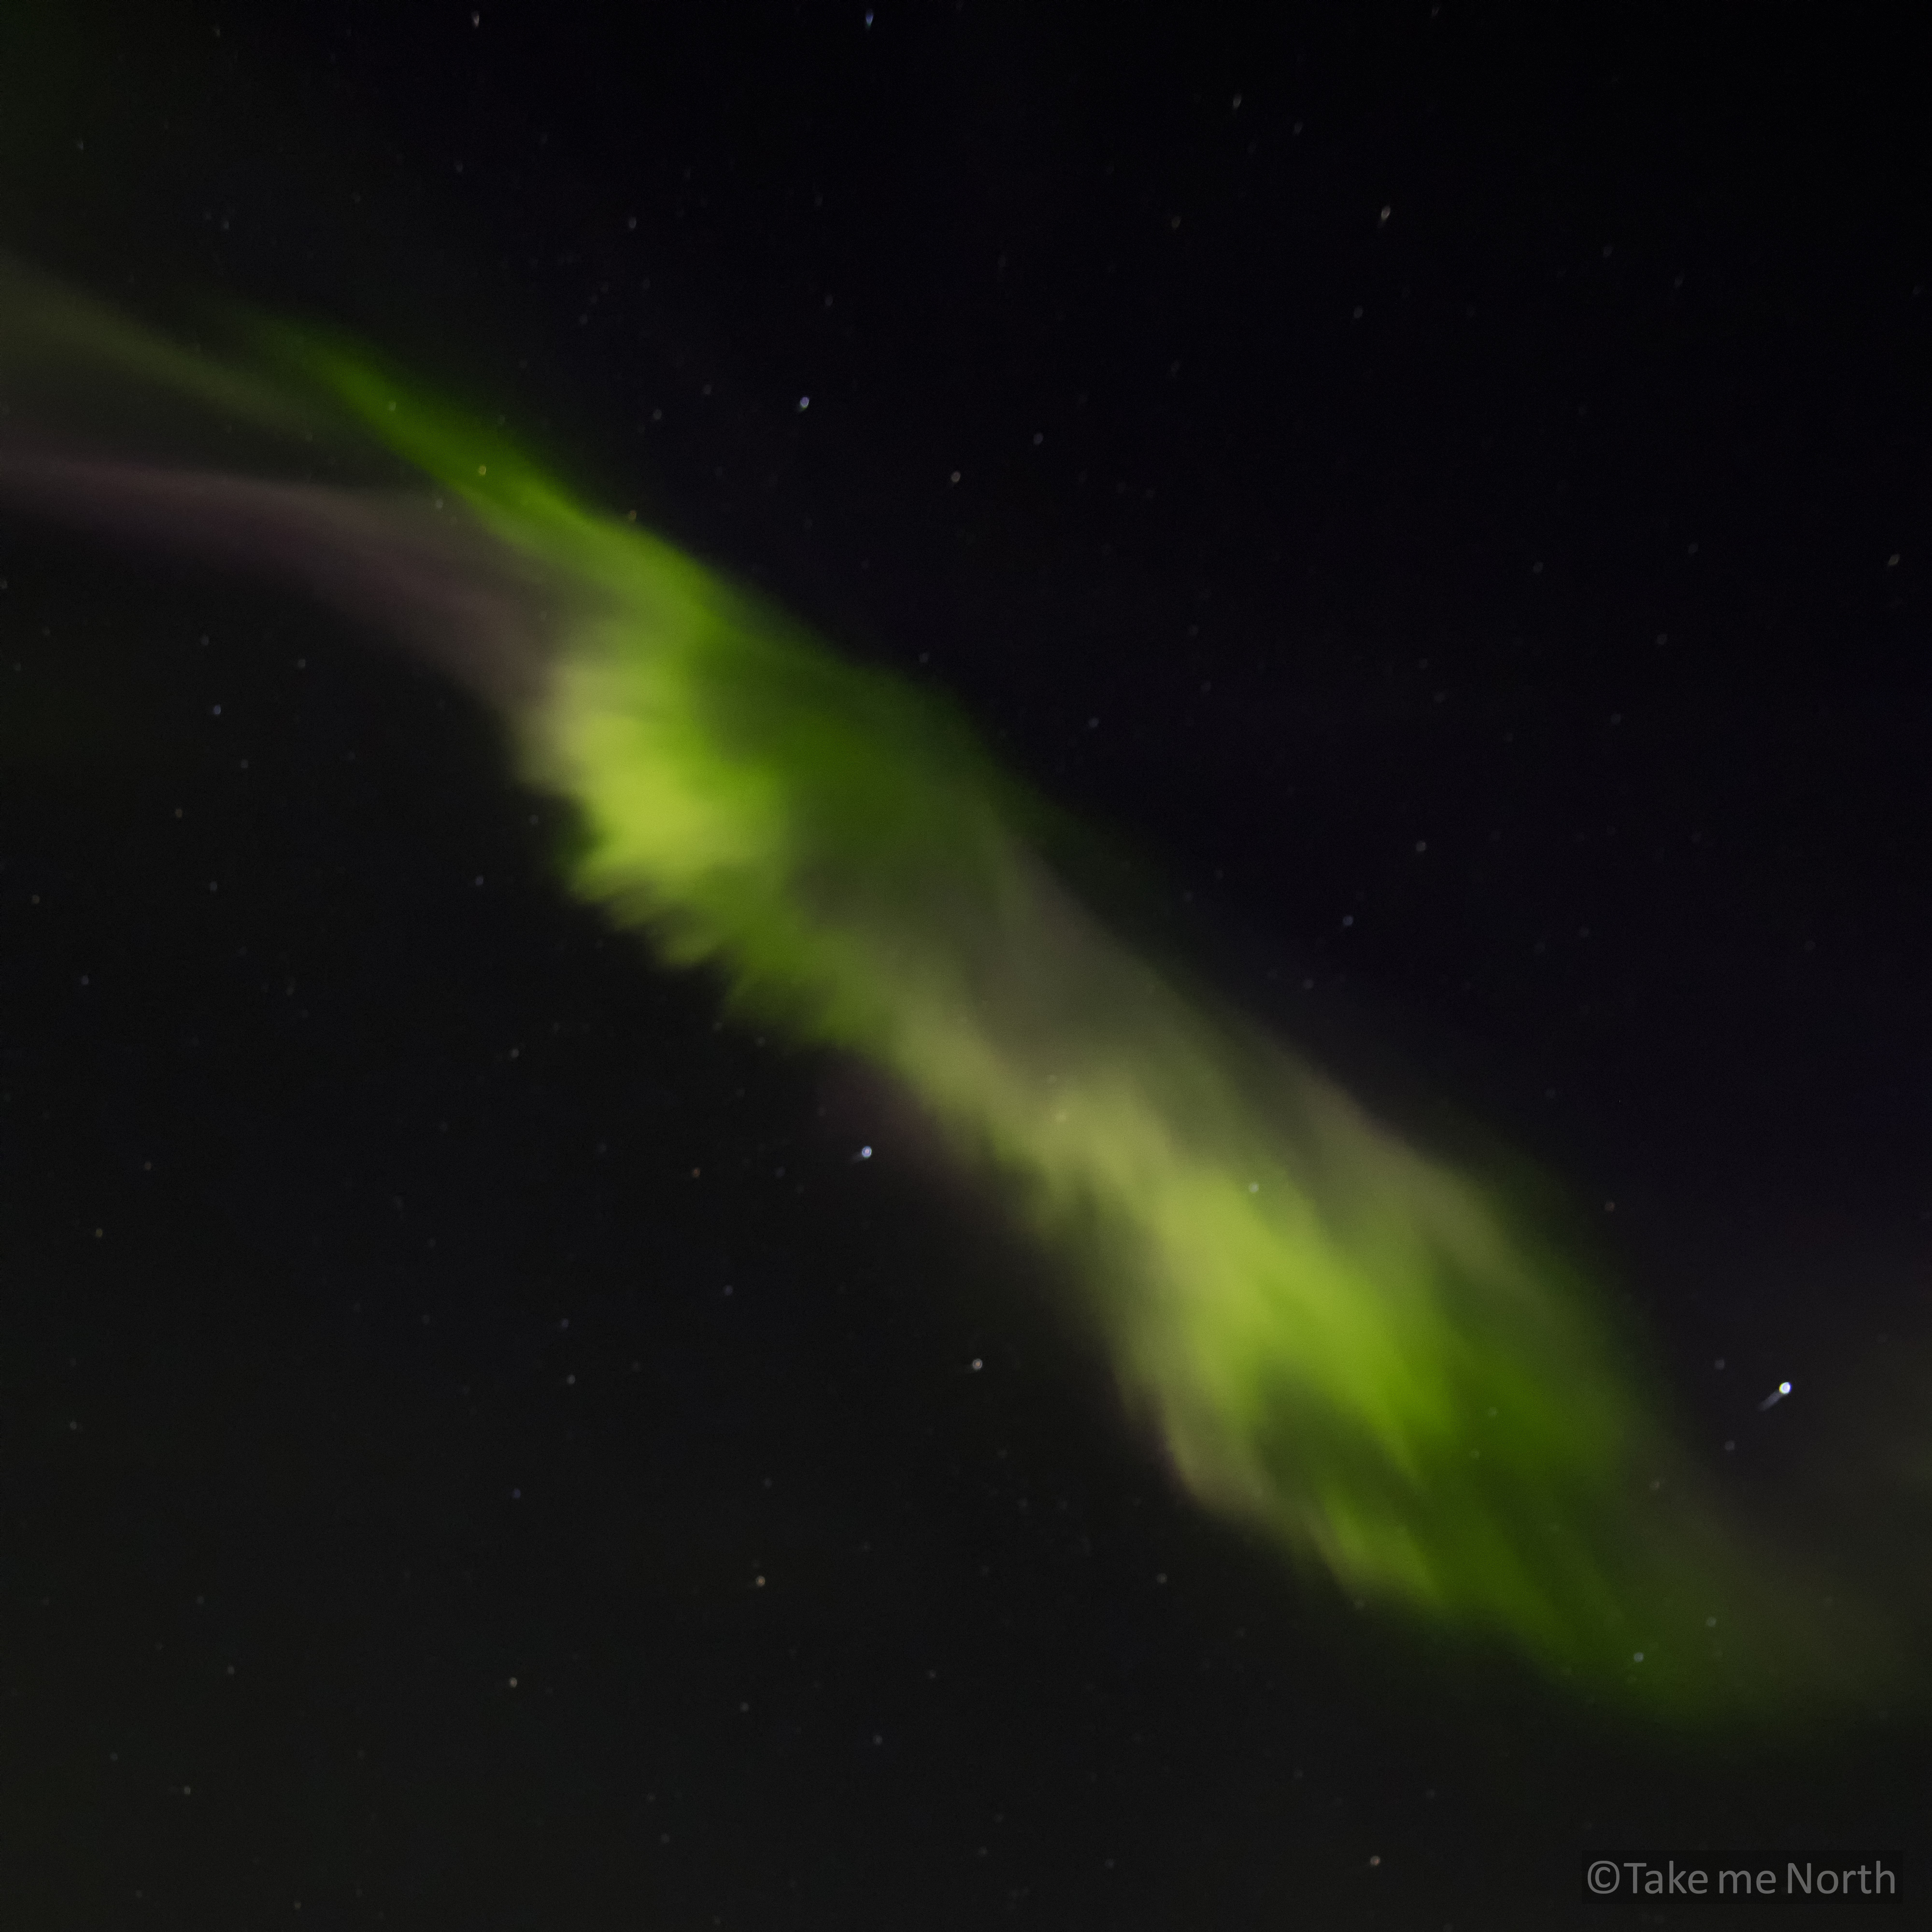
[959,966]
[1382,1364]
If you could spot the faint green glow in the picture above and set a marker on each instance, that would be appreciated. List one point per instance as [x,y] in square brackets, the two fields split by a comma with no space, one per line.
[1341,1341]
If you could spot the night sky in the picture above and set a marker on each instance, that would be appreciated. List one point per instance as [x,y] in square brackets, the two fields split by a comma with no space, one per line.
[1442,491]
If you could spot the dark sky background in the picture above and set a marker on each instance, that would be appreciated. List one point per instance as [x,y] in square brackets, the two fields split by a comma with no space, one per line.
[1444,488]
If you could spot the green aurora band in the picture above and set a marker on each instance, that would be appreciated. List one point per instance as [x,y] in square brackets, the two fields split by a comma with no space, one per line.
[1341,1341]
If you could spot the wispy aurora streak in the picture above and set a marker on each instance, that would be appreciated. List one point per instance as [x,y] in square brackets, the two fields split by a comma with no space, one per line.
[1342,1341]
